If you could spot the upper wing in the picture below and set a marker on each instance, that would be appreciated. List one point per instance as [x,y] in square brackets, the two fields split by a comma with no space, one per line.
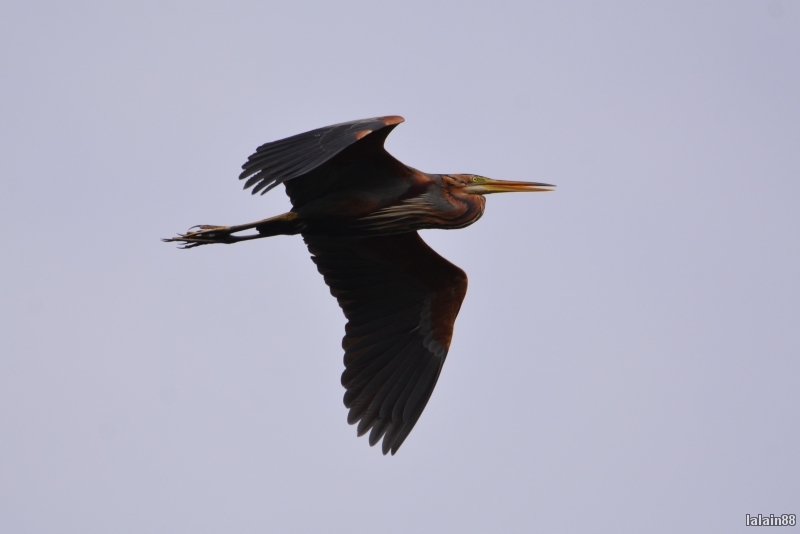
[276,162]
[401,300]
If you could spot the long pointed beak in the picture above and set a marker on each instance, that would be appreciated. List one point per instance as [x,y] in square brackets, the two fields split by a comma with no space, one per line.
[488,186]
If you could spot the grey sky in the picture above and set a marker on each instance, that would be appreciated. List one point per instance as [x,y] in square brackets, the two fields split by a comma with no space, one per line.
[626,359]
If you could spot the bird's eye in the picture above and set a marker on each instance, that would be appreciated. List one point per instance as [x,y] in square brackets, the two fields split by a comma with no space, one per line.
[474,178]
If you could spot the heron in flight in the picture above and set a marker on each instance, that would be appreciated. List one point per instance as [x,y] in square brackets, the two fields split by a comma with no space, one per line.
[359,210]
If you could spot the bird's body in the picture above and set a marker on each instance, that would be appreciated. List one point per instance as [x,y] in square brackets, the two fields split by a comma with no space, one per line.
[359,210]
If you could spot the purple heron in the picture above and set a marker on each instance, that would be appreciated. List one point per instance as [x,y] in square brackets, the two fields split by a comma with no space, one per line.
[359,210]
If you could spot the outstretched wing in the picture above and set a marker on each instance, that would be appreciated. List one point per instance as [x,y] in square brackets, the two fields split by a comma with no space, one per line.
[401,300]
[279,161]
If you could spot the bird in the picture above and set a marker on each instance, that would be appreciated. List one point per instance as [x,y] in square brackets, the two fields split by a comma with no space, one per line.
[359,211]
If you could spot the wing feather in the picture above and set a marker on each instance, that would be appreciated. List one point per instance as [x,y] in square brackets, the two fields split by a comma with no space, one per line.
[401,300]
[286,159]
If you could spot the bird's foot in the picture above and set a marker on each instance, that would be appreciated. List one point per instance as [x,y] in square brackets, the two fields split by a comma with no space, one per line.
[205,235]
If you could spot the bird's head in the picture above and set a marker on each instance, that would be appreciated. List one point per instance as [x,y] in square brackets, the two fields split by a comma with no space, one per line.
[481,185]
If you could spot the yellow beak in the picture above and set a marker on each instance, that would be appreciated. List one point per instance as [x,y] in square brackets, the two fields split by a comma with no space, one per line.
[487,186]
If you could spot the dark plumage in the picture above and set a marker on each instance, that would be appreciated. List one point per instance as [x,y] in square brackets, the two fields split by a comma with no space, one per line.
[358,210]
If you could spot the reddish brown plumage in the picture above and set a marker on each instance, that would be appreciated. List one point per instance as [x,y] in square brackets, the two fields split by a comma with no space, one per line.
[447,282]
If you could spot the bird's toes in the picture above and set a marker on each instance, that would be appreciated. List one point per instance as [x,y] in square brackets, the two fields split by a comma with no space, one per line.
[207,230]
[205,234]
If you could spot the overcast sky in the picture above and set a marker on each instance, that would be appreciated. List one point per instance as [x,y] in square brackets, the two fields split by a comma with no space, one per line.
[626,359]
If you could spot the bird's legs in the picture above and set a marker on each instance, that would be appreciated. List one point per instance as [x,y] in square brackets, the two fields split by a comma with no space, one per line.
[286,224]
